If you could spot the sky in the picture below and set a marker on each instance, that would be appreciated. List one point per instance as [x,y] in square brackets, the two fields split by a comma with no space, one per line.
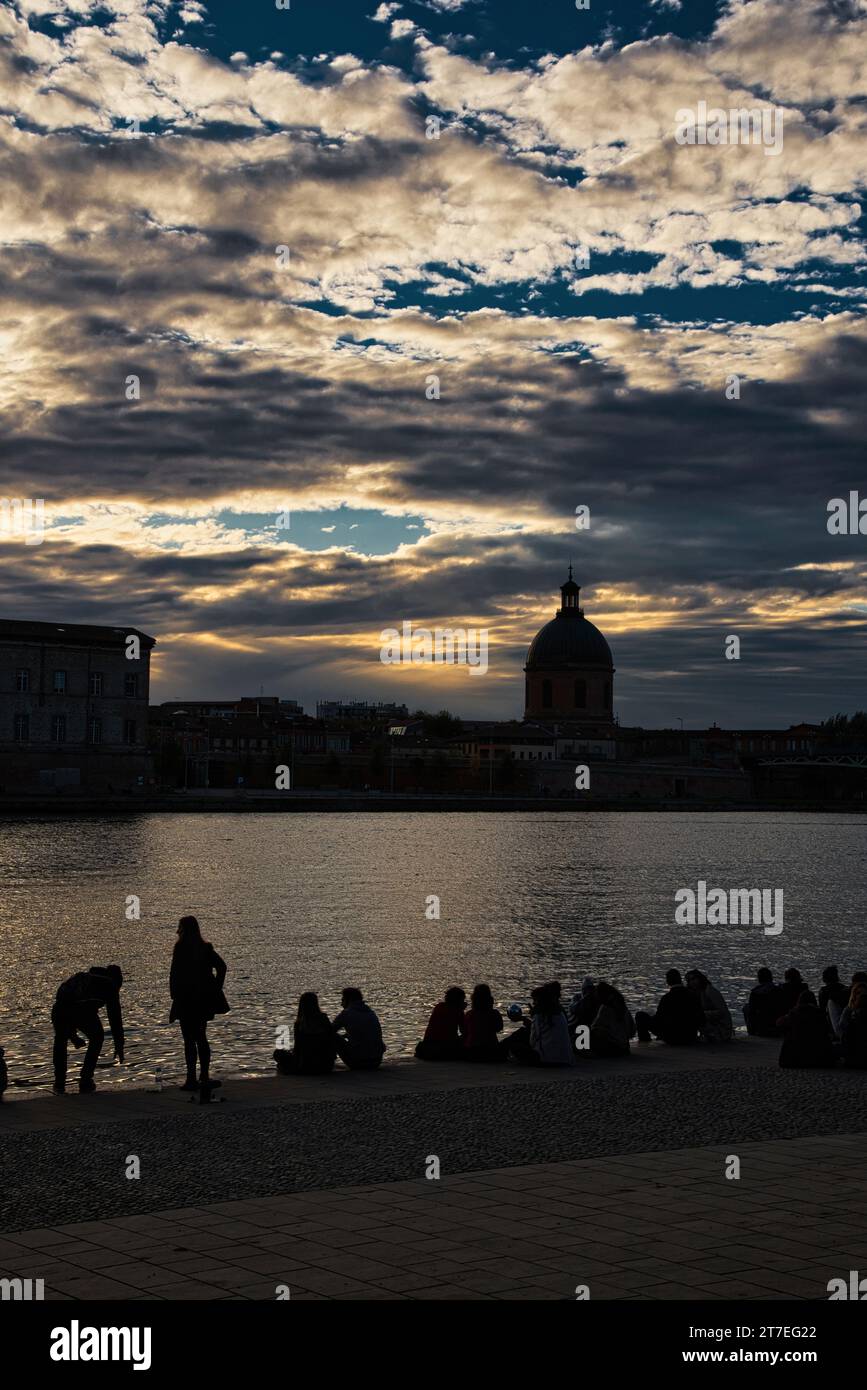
[321,319]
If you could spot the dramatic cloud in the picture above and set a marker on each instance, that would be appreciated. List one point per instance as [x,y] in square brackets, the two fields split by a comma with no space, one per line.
[443,282]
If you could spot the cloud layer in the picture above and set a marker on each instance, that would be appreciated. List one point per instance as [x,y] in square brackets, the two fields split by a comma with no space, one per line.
[283,254]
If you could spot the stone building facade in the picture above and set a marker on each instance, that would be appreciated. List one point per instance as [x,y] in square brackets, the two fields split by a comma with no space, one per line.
[73,707]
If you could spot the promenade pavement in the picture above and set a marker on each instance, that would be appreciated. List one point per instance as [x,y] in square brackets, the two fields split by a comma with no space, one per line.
[664,1222]
[642,1226]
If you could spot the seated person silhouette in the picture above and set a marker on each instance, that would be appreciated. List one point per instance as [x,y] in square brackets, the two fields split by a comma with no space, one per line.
[544,1041]
[762,1009]
[679,1017]
[807,1040]
[853,1029]
[482,1024]
[359,1035]
[315,1047]
[443,1037]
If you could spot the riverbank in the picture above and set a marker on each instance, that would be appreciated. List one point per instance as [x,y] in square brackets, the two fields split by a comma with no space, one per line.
[66,804]
[283,1134]
[611,1174]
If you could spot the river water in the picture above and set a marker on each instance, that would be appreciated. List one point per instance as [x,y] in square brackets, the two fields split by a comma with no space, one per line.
[318,901]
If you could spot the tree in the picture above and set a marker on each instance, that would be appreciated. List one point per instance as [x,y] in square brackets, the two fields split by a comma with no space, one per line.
[848,731]
[439,725]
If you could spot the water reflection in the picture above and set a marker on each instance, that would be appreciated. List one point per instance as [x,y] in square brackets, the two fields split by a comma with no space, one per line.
[316,902]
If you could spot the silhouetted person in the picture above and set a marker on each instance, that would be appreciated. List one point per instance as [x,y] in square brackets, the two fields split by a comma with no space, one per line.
[763,1006]
[315,1050]
[359,1035]
[443,1037]
[806,1035]
[196,986]
[613,1025]
[679,1017]
[791,989]
[4,1074]
[853,1029]
[482,1024]
[545,1040]
[584,1006]
[833,997]
[76,1011]
[717,1026]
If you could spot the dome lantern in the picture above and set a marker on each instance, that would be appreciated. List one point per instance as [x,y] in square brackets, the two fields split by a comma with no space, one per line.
[570,596]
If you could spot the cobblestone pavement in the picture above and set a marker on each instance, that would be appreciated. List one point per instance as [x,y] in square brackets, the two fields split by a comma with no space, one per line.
[56,1173]
[652,1225]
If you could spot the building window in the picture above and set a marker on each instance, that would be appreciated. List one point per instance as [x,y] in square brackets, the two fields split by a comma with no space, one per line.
[22,728]
[129,731]
[547,696]
[58,728]
[130,684]
[22,681]
[96,682]
[58,683]
[94,731]
[580,694]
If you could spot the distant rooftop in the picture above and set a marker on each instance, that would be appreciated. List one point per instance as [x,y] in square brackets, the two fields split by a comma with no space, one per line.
[73,634]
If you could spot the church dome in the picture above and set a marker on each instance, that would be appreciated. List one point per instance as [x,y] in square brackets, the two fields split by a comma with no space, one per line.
[569,639]
[569,668]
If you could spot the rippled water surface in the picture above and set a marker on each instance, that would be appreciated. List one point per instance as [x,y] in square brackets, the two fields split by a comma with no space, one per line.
[297,902]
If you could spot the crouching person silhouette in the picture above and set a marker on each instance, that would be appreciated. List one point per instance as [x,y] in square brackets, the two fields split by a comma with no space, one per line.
[76,1011]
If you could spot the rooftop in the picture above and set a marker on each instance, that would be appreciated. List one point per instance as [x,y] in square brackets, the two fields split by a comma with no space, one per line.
[70,634]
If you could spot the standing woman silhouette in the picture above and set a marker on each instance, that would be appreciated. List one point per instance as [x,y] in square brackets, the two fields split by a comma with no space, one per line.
[196,987]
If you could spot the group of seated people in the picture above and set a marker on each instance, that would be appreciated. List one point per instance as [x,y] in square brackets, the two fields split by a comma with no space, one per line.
[597,1021]
[546,1038]
[355,1036]
[687,1012]
[815,1032]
